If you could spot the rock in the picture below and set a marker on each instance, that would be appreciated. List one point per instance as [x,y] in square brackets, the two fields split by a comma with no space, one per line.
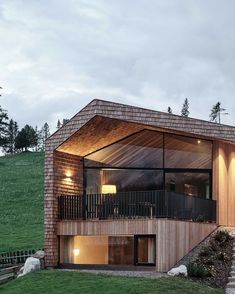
[40,254]
[21,270]
[31,265]
[181,270]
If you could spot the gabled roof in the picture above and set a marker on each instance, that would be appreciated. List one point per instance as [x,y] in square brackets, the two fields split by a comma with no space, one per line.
[141,116]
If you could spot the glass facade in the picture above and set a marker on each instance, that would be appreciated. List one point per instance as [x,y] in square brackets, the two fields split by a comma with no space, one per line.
[124,180]
[185,152]
[192,184]
[141,150]
[108,250]
[150,160]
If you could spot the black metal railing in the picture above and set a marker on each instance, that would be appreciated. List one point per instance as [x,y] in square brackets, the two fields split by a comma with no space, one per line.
[140,204]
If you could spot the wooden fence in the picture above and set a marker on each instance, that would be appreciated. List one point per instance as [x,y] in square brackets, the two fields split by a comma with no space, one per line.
[8,274]
[15,257]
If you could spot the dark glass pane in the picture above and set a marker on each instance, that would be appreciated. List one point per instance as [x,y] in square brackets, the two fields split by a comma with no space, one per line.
[146,250]
[141,150]
[121,250]
[185,152]
[194,184]
[123,180]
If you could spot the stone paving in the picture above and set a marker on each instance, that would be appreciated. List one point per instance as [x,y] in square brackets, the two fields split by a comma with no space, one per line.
[140,274]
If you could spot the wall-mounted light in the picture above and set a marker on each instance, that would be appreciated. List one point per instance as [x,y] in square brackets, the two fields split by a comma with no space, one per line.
[76,251]
[199,141]
[109,189]
[68,176]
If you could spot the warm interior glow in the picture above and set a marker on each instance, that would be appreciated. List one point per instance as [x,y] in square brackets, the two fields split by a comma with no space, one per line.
[68,174]
[198,141]
[109,189]
[76,251]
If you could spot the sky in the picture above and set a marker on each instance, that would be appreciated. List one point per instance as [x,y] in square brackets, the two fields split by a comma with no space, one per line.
[58,55]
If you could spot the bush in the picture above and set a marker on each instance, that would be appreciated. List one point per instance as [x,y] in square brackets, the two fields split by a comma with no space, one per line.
[223,256]
[196,270]
[222,237]
[205,251]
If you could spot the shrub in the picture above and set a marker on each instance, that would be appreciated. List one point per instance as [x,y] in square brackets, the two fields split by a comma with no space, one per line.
[222,237]
[205,251]
[196,270]
[223,256]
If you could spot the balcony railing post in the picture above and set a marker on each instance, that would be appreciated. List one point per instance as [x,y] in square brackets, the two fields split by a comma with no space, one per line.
[84,206]
[142,204]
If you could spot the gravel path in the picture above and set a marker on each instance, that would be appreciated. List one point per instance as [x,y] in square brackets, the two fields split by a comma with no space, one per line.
[140,274]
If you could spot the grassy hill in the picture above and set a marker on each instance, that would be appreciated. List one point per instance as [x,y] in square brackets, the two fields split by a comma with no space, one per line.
[21,201]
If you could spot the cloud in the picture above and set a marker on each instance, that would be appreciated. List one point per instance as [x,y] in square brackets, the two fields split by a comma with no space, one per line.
[56,56]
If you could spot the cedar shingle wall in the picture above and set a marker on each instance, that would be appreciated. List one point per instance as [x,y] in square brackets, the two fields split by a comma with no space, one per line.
[122,112]
[67,180]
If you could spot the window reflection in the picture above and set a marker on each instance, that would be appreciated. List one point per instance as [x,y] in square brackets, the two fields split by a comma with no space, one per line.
[193,184]
[184,152]
[124,180]
[144,149]
[136,163]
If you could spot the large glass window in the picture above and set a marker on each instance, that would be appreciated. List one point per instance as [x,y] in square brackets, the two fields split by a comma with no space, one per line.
[146,160]
[100,250]
[123,180]
[193,184]
[185,152]
[108,250]
[141,150]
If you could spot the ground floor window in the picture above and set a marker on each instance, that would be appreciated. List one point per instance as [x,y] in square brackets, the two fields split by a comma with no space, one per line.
[108,250]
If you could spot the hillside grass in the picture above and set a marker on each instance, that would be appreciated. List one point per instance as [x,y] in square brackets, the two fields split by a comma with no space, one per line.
[21,201]
[63,282]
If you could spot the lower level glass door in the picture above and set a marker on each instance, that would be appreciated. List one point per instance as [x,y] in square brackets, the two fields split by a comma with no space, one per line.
[145,250]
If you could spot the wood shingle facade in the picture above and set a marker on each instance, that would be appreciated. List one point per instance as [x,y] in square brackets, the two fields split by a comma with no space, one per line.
[102,123]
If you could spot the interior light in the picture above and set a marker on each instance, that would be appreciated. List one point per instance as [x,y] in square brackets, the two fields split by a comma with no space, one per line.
[76,251]
[109,189]
[198,141]
[68,176]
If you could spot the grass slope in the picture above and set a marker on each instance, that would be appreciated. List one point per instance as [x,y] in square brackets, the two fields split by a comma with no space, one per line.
[21,201]
[74,282]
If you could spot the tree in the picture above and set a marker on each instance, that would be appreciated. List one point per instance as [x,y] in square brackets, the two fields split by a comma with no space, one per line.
[43,135]
[169,110]
[65,120]
[3,126]
[216,112]
[26,138]
[185,109]
[59,124]
[12,131]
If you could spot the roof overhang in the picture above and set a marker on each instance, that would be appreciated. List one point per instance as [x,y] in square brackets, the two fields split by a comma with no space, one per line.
[101,131]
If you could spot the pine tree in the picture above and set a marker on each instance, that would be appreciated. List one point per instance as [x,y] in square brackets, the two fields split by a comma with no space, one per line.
[12,131]
[26,138]
[65,120]
[3,126]
[43,135]
[216,112]
[185,109]
[169,110]
[59,124]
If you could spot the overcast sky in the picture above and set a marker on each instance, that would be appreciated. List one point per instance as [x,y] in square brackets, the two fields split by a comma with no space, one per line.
[57,55]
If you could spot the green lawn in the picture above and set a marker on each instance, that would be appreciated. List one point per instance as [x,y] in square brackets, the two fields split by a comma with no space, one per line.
[21,201]
[57,282]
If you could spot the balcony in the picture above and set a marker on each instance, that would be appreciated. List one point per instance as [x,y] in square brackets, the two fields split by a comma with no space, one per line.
[136,205]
